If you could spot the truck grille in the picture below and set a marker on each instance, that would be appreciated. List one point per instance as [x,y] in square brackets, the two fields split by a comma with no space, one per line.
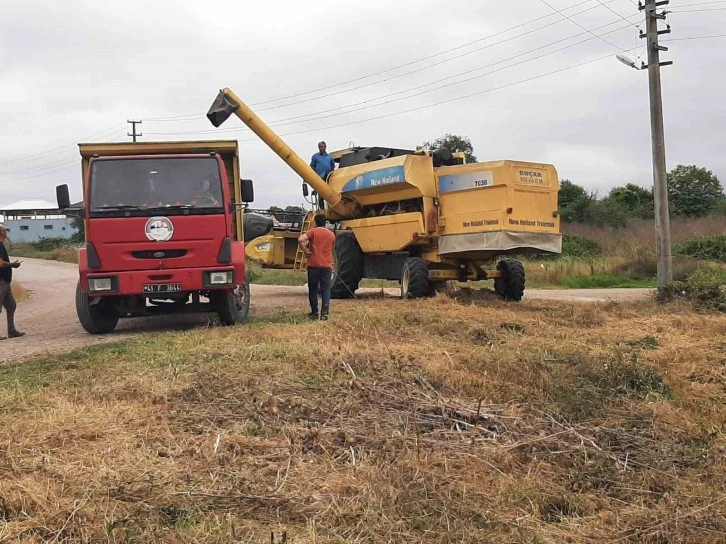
[159,254]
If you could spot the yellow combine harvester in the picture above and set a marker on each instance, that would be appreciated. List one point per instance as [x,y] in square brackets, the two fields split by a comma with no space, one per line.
[421,217]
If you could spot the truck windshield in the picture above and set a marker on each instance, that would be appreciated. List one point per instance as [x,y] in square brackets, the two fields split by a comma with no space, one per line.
[147,184]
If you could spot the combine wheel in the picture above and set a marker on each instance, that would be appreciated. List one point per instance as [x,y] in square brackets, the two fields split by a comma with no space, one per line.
[510,286]
[96,319]
[348,267]
[234,306]
[415,278]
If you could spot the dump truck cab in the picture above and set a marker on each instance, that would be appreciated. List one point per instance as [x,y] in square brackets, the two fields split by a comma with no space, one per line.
[164,232]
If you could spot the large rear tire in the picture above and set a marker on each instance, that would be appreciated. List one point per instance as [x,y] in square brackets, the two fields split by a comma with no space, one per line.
[234,306]
[98,318]
[510,286]
[348,267]
[415,279]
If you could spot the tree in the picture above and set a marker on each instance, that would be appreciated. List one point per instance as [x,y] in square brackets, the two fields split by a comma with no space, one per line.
[79,224]
[693,191]
[636,201]
[576,205]
[453,143]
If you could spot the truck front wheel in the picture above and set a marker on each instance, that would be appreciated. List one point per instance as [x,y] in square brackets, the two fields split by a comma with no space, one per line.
[234,306]
[98,318]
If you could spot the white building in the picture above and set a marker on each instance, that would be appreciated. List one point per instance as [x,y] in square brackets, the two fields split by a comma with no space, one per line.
[30,220]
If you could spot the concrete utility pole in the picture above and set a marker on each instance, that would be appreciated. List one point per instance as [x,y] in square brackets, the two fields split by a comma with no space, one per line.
[134,129]
[660,183]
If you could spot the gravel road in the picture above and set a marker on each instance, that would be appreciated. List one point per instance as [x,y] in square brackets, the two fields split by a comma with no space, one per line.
[49,316]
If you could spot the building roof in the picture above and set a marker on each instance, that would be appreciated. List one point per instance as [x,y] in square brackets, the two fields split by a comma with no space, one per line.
[35,204]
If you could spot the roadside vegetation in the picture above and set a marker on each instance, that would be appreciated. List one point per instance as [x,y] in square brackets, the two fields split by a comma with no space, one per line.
[440,420]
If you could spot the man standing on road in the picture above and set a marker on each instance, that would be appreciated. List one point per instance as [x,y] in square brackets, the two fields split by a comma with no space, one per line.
[7,300]
[322,163]
[318,244]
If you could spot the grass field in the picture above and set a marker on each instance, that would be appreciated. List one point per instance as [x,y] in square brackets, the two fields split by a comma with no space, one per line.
[437,420]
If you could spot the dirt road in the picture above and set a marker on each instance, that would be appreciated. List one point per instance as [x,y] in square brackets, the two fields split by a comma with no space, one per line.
[49,316]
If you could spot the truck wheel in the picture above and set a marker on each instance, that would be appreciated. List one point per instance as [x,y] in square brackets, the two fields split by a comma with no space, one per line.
[415,278]
[348,267]
[234,306]
[510,286]
[97,319]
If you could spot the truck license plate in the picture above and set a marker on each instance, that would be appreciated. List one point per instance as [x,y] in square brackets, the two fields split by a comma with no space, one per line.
[162,288]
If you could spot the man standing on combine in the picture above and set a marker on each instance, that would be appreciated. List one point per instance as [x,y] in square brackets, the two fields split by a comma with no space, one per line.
[7,300]
[322,163]
[318,244]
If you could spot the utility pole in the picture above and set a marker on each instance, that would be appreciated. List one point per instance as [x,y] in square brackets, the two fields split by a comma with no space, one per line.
[134,129]
[660,183]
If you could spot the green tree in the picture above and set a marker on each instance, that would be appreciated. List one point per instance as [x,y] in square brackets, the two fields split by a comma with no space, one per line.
[295,209]
[634,200]
[576,205]
[453,143]
[693,191]
[79,224]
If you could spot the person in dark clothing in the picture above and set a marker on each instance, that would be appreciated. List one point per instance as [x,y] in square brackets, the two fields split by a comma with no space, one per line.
[7,300]
[318,244]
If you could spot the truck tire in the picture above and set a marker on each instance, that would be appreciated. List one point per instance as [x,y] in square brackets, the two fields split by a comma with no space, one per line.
[348,267]
[510,286]
[234,306]
[415,279]
[97,319]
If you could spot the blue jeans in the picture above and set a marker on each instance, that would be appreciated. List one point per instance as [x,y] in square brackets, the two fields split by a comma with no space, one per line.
[319,279]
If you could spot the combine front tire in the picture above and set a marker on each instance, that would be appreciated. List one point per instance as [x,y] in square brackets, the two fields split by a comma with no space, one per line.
[97,318]
[510,286]
[415,278]
[348,267]
[234,306]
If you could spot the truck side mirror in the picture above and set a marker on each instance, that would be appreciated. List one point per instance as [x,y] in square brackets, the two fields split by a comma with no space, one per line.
[248,190]
[63,197]
[305,189]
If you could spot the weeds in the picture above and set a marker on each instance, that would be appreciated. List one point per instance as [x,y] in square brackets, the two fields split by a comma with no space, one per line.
[435,420]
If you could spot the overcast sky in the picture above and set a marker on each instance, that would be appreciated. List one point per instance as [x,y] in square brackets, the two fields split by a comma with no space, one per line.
[373,73]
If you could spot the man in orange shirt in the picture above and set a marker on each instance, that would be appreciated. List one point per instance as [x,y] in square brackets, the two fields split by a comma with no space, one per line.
[318,244]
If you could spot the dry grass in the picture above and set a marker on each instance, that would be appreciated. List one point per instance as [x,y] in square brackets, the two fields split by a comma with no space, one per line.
[639,236]
[397,421]
[20,293]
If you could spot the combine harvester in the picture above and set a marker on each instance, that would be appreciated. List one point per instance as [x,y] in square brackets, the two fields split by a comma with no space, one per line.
[420,217]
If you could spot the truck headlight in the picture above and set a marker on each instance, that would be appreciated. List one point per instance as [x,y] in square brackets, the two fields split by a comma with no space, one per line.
[265,247]
[100,284]
[220,278]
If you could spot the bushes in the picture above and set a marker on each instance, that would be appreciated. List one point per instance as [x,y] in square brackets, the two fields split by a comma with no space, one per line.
[579,246]
[705,248]
[706,288]
[50,244]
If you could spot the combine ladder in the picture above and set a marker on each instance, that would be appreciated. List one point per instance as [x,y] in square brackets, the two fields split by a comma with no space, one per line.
[300,258]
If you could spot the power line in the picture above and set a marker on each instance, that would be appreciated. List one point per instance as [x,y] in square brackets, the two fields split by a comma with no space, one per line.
[696,38]
[694,10]
[478,93]
[578,24]
[611,10]
[410,110]
[63,147]
[328,87]
[292,120]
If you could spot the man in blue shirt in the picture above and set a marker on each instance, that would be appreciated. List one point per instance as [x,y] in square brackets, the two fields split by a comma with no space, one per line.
[322,163]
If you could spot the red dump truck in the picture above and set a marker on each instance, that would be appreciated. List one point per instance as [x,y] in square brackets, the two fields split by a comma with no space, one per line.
[164,228]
